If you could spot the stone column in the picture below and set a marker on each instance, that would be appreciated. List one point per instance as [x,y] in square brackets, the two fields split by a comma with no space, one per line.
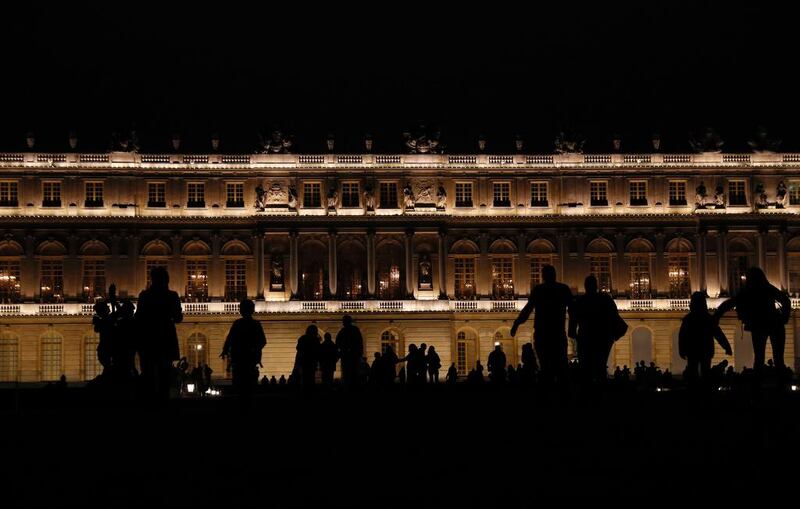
[563,254]
[621,277]
[483,271]
[409,263]
[29,269]
[661,282]
[761,248]
[258,252]
[135,283]
[581,268]
[442,258]
[371,263]
[294,264]
[722,261]
[216,272]
[177,273]
[781,253]
[522,284]
[73,269]
[332,265]
[701,260]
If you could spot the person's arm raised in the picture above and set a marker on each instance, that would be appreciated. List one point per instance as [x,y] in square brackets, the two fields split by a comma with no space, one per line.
[523,315]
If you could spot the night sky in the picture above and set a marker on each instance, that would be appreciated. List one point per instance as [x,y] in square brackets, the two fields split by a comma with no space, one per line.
[631,68]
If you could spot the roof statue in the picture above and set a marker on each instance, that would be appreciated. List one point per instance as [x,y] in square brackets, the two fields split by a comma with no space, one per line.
[277,143]
[762,143]
[706,141]
[423,141]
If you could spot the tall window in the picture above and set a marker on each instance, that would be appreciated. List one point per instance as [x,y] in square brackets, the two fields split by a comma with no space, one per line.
[9,193]
[313,271]
[502,278]
[312,195]
[94,279]
[598,193]
[156,194]
[502,194]
[235,280]
[465,352]
[794,193]
[600,266]
[640,277]
[389,281]
[196,281]
[794,274]
[51,356]
[539,194]
[464,194]
[678,272]
[464,278]
[91,364]
[350,194]
[736,192]
[677,192]
[737,268]
[9,357]
[638,192]
[51,194]
[51,283]
[93,194]
[537,262]
[149,265]
[388,195]
[234,194]
[10,284]
[196,194]
[390,339]
[197,354]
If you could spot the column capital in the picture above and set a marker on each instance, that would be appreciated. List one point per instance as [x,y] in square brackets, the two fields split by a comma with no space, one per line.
[332,232]
[409,232]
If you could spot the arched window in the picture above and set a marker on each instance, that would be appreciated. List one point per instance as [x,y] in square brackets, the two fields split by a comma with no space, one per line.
[541,253]
[502,259]
[740,258]
[313,270]
[504,339]
[464,253]
[389,258]
[642,345]
[678,253]
[196,253]
[155,254]
[93,281]
[10,281]
[793,266]
[91,364]
[639,252]
[51,355]
[390,338]
[352,271]
[9,357]
[235,252]
[197,346]
[466,351]
[51,271]
[599,251]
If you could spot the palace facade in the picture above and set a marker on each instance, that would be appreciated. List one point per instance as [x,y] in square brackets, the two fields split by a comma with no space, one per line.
[441,249]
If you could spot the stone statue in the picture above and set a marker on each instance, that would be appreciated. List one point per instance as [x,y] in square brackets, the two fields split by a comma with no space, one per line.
[761,196]
[408,197]
[780,195]
[292,197]
[707,141]
[566,143]
[423,141]
[261,201]
[125,142]
[762,143]
[701,196]
[333,199]
[425,275]
[276,274]
[441,198]
[276,144]
[369,198]
[719,197]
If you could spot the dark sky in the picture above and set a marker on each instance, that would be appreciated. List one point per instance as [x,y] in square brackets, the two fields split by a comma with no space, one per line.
[632,68]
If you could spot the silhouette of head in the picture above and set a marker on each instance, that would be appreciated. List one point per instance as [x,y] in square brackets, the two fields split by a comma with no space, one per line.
[247,307]
[431,349]
[159,277]
[548,274]
[312,331]
[412,347]
[423,346]
[755,278]
[590,284]
[698,303]
[101,308]
[377,355]
[328,336]
[126,308]
[347,320]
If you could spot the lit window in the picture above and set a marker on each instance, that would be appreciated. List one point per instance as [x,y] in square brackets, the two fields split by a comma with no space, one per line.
[235,280]
[51,194]
[502,194]
[465,352]
[196,281]
[389,339]
[464,194]
[94,279]
[94,194]
[234,194]
[389,281]
[91,364]
[51,356]
[10,284]
[638,192]
[640,277]
[197,350]
[388,191]
[312,195]
[794,274]
[736,193]
[9,357]
[537,262]
[678,272]
[152,264]
[196,195]
[600,267]
[51,283]
[502,278]
[9,193]
[464,278]
[539,194]
[156,194]
[598,193]
[350,194]
[737,270]
[794,193]
[677,192]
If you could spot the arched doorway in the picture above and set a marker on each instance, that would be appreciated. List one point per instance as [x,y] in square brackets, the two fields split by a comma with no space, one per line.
[642,345]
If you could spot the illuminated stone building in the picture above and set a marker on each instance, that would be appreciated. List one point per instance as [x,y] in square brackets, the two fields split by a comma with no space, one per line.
[433,248]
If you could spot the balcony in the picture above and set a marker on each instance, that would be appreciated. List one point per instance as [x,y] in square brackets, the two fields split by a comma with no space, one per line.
[93,204]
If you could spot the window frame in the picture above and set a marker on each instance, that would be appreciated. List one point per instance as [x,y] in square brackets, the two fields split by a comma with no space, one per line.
[495,184]
[94,203]
[466,204]
[195,204]
[154,204]
[539,203]
[600,203]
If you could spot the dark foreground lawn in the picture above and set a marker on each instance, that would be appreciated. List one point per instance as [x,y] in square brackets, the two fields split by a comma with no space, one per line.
[451,447]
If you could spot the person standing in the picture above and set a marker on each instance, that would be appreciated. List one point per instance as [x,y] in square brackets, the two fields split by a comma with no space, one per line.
[308,356]
[351,349]
[696,338]
[434,364]
[243,347]
[328,356]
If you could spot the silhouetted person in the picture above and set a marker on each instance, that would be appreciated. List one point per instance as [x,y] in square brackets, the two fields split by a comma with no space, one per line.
[452,374]
[595,324]
[307,356]
[401,375]
[551,301]
[529,366]
[243,347]
[496,364]
[124,347]
[434,364]
[421,364]
[103,325]
[351,349]
[415,362]
[696,338]
[158,310]
[388,366]
[376,371]
[328,355]
[755,307]
[282,380]
[479,371]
